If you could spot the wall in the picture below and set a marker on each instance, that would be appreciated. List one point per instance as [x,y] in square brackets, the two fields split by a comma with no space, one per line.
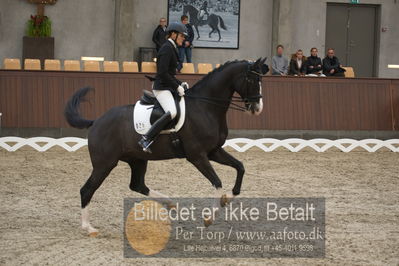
[303,25]
[255,30]
[37,100]
[80,28]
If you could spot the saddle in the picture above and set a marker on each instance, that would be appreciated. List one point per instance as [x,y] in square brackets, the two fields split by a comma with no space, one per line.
[147,110]
[149,99]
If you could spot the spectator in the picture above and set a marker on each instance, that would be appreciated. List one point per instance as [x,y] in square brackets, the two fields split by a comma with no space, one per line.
[298,64]
[159,36]
[313,64]
[186,49]
[331,65]
[279,63]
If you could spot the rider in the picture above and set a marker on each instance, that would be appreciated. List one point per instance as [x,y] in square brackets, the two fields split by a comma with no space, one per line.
[203,10]
[166,82]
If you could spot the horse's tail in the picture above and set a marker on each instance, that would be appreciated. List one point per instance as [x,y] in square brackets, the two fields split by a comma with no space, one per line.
[71,111]
[222,25]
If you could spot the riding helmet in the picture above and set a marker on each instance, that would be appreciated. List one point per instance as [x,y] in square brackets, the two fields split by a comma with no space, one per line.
[177,27]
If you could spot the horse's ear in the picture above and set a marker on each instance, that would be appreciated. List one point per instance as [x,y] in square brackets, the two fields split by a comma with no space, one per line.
[263,61]
[256,65]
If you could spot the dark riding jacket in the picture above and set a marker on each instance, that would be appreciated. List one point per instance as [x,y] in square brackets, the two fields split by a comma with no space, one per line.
[167,62]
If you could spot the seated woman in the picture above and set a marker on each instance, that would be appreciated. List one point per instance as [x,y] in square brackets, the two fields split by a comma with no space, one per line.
[297,64]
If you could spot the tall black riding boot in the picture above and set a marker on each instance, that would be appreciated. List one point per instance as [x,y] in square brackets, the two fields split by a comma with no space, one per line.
[155,129]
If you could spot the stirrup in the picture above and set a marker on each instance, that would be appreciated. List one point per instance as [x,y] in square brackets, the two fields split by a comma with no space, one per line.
[145,144]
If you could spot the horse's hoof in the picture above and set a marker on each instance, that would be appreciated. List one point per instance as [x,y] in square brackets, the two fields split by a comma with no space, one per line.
[208,221]
[224,200]
[93,234]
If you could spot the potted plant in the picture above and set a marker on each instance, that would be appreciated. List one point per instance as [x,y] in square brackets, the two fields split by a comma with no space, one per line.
[38,43]
[38,26]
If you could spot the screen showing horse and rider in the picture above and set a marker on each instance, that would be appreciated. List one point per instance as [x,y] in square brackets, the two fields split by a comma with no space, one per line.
[215,22]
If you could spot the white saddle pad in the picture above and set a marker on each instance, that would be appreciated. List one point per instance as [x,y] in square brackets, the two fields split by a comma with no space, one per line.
[142,116]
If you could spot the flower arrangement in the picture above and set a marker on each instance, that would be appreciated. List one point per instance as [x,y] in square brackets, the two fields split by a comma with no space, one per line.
[39,26]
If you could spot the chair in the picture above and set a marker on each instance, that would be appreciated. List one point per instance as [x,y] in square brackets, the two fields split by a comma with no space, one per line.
[12,63]
[93,66]
[52,64]
[32,64]
[349,73]
[204,68]
[188,68]
[150,67]
[129,66]
[111,66]
[72,65]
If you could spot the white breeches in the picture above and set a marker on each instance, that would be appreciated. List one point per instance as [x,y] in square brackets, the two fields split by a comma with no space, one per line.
[165,98]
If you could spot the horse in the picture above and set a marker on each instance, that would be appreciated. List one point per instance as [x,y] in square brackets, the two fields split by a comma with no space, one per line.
[213,21]
[111,137]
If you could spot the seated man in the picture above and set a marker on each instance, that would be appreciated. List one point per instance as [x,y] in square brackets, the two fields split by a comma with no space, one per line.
[298,64]
[332,66]
[313,64]
[279,63]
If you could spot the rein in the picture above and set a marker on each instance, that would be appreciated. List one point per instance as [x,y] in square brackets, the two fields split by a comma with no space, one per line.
[231,103]
[225,103]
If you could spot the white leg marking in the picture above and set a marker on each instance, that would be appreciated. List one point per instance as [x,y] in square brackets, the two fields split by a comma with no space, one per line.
[260,105]
[215,208]
[218,195]
[158,195]
[86,223]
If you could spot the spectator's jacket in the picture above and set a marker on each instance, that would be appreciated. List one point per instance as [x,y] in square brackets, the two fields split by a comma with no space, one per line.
[159,37]
[190,37]
[332,63]
[279,65]
[294,68]
[314,61]
[167,61]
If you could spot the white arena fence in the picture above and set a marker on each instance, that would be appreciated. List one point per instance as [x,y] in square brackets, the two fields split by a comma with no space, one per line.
[72,144]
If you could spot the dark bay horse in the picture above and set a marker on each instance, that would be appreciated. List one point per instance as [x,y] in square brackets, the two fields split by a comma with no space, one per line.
[112,137]
[213,21]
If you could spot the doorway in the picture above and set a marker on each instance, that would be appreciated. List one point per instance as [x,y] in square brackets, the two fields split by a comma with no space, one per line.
[352,31]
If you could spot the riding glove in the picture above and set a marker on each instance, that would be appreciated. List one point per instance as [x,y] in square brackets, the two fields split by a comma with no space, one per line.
[180,90]
[185,85]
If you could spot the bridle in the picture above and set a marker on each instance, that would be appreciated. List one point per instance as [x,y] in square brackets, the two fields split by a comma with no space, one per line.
[250,79]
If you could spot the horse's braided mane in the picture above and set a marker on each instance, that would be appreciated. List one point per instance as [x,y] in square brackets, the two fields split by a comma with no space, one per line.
[210,75]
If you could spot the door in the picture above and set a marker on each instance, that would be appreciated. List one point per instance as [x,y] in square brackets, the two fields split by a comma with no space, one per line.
[351,31]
